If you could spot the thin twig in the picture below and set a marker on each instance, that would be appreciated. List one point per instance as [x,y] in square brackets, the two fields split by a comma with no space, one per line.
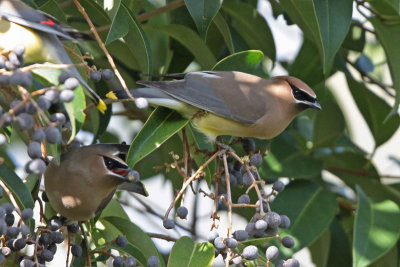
[10,196]
[103,47]
[195,176]
[160,10]
[233,154]
[153,212]
[86,244]
[370,78]
[164,237]
[228,193]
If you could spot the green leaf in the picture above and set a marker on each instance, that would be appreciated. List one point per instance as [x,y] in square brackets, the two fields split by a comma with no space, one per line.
[114,208]
[389,36]
[20,192]
[188,38]
[326,22]
[374,110]
[320,249]
[385,7]
[186,252]
[198,141]
[311,210]
[159,127]
[135,236]
[376,229]
[390,259]
[307,66]
[340,251]
[286,160]
[244,61]
[125,25]
[355,39]
[252,27]
[223,28]
[354,169]
[203,12]
[327,133]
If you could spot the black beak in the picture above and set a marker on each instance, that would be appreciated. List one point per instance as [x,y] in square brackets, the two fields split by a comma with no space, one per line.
[316,105]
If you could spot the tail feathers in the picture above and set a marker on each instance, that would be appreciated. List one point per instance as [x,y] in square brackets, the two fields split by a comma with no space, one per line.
[141,92]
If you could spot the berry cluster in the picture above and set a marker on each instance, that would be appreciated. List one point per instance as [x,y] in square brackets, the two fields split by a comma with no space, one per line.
[243,173]
[16,235]
[41,114]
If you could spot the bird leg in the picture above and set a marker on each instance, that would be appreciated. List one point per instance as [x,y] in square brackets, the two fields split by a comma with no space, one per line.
[224,146]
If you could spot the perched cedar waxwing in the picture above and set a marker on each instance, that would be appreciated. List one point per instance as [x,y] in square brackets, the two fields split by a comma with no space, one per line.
[229,102]
[84,182]
[40,34]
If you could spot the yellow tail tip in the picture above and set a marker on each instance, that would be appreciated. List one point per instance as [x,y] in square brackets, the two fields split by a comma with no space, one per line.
[101,106]
[111,95]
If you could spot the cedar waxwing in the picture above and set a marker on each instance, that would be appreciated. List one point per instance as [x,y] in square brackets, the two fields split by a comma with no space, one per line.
[229,102]
[40,34]
[86,179]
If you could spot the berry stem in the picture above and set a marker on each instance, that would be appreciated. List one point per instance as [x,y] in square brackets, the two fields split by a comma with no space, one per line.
[86,245]
[11,197]
[228,189]
[233,154]
[195,176]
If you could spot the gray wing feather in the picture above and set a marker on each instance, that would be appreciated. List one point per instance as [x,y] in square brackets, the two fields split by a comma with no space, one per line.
[195,89]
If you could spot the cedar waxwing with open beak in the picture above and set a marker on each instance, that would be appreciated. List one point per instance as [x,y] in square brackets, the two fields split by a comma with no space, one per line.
[40,34]
[84,182]
[229,102]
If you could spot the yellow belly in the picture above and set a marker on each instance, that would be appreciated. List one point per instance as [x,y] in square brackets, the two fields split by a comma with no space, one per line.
[12,34]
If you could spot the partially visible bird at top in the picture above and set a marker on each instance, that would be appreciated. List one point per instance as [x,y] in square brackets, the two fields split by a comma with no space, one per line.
[230,102]
[40,34]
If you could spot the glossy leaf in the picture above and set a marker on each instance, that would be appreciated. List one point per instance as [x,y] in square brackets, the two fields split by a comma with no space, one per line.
[355,39]
[136,237]
[374,110]
[223,28]
[311,210]
[186,252]
[376,229]
[307,65]
[340,250]
[354,169]
[125,25]
[285,160]
[159,127]
[326,22]
[389,36]
[325,132]
[320,249]
[16,186]
[244,61]
[203,12]
[252,27]
[198,141]
[188,38]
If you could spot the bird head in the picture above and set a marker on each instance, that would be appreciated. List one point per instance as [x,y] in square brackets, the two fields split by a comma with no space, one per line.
[116,168]
[301,94]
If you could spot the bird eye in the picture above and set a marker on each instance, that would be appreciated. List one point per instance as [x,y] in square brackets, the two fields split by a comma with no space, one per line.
[112,164]
[296,92]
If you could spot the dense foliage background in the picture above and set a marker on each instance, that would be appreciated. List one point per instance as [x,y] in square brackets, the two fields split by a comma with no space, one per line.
[350,220]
